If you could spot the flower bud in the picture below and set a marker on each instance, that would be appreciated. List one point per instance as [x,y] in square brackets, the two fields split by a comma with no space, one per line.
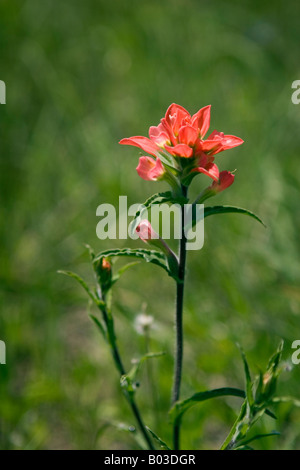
[104,273]
[150,169]
[148,235]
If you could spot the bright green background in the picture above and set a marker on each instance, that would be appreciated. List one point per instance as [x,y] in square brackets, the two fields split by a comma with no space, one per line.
[80,76]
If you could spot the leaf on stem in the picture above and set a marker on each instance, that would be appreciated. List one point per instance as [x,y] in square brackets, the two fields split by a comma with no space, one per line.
[181,407]
[249,385]
[291,400]
[99,325]
[83,284]
[138,363]
[158,198]
[231,209]
[150,256]
[162,444]
[257,437]
[211,210]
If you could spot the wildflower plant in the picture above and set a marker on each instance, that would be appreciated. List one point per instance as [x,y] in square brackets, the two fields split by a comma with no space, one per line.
[178,150]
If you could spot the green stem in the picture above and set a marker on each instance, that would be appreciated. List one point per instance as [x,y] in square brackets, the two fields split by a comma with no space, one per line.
[231,438]
[179,325]
[150,381]
[119,365]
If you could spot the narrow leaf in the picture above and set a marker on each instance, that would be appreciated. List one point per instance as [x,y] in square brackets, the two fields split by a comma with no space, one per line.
[90,250]
[271,414]
[150,256]
[162,444]
[231,209]
[259,436]
[99,325]
[158,198]
[82,283]
[292,400]
[181,407]
[136,368]
[248,378]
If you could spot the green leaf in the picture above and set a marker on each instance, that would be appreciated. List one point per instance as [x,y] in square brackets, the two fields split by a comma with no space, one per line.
[271,414]
[275,359]
[249,392]
[127,385]
[230,439]
[181,407]
[132,374]
[128,381]
[150,256]
[292,400]
[158,198]
[231,209]
[244,448]
[266,384]
[127,266]
[83,284]
[123,270]
[162,444]
[90,250]
[99,325]
[257,437]
[123,427]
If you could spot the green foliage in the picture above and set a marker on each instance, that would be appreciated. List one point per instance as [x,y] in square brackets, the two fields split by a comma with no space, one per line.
[162,444]
[230,210]
[159,198]
[150,256]
[259,395]
[181,407]
[88,74]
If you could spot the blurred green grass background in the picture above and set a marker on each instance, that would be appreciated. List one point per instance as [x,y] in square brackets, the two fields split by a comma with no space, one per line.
[80,76]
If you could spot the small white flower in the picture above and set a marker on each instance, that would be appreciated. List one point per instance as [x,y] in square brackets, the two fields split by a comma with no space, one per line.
[143,323]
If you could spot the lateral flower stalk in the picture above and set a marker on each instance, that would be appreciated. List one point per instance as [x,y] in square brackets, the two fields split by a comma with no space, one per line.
[226,179]
[148,235]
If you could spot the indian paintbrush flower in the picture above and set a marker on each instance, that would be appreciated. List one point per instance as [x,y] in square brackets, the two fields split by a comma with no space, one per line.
[178,145]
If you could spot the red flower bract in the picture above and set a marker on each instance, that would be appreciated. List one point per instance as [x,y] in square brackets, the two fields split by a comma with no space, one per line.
[225,180]
[182,136]
[149,169]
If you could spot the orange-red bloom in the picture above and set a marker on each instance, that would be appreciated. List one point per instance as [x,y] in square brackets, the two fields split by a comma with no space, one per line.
[149,169]
[225,180]
[182,136]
